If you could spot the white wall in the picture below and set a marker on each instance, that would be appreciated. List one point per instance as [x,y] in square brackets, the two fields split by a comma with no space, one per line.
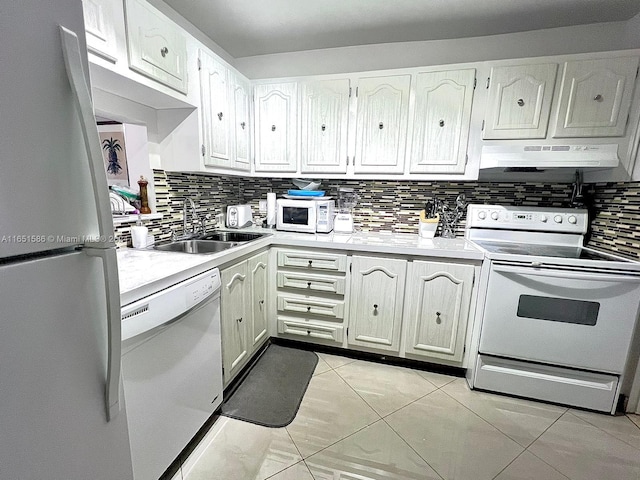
[554,41]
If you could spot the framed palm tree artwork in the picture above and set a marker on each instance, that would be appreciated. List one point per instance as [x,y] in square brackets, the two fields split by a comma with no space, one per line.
[115,156]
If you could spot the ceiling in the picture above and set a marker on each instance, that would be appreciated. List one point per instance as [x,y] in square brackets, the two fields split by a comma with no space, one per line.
[255,27]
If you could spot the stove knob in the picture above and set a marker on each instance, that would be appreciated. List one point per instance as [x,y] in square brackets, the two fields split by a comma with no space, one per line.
[557,219]
[482,215]
[572,219]
[494,215]
[543,219]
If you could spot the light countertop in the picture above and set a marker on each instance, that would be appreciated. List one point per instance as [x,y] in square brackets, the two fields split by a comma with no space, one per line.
[146,271]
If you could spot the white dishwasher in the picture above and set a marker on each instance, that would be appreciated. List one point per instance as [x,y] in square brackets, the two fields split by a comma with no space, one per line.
[172,369]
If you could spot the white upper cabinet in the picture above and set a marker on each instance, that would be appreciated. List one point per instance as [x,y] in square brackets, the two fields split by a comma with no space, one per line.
[99,24]
[381,129]
[324,125]
[595,97]
[241,122]
[276,127]
[519,101]
[157,46]
[441,121]
[214,103]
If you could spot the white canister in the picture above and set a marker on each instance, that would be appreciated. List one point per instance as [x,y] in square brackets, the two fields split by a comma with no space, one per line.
[139,234]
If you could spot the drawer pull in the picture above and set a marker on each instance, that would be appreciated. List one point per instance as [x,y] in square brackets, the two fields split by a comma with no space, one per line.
[308,309]
[309,284]
[239,320]
[164,51]
[438,319]
[310,262]
[308,332]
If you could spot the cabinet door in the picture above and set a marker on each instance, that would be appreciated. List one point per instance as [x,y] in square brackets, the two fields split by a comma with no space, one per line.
[276,127]
[325,120]
[441,121]
[438,296]
[377,292]
[157,48]
[595,97]
[381,129]
[258,273]
[241,127]
[519,101]
[99,24]
[234,317]
[214,103]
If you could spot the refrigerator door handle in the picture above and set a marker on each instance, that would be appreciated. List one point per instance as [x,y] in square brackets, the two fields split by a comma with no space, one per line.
[114,328]
[84,106]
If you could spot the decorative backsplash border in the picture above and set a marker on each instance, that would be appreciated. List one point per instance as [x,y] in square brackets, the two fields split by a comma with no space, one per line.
[394,206]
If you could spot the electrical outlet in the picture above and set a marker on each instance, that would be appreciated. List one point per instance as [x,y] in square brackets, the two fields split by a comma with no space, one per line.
[263,206]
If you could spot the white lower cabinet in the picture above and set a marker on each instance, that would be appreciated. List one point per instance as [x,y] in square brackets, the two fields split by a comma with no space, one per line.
[243,312]
[375,313]
[438,300]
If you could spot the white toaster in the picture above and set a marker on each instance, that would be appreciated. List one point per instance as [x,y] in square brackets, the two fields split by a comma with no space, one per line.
[239,216]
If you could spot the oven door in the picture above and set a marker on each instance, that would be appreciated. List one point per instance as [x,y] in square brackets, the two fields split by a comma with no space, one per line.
[577,318]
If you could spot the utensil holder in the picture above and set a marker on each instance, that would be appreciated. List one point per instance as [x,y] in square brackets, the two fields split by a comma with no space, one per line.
[428,227]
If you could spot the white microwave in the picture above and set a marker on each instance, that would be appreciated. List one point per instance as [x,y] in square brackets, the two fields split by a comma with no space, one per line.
[307,216]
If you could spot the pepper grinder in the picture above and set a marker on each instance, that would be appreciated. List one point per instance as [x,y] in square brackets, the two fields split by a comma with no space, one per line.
[144,200]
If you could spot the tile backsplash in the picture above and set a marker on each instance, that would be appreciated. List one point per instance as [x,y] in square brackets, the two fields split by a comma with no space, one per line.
[393,206]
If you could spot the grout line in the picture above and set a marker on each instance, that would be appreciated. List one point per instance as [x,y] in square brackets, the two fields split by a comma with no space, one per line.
[604,431]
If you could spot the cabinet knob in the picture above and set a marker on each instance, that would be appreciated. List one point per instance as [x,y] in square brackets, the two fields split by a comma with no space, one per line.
[308,332]
[164,51]
[521,102]
[261,302]
[309,284]
[324,127]
[438,319]
[308,309]
[243,124]
[598,98]
[441,123]
[310,262]
[239,320]
[273,128]
[219,115]
[381,125]
[375,309]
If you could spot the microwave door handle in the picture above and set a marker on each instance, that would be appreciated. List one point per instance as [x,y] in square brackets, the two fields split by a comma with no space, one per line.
[565,274]
[84,106]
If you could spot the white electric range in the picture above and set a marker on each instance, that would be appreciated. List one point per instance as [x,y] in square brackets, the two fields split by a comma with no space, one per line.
[557,319]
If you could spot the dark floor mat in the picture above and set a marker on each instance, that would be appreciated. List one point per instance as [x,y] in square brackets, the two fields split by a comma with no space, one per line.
[271,393]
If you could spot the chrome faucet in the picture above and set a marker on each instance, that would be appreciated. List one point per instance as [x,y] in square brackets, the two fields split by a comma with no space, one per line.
[195,221]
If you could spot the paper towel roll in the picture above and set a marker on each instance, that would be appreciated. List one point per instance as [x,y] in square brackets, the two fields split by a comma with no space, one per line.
[271,209]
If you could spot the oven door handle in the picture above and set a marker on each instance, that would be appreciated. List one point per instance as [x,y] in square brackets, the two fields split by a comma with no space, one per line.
[565,274]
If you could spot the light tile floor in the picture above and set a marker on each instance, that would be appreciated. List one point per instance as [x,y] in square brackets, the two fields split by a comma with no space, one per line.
[362,420]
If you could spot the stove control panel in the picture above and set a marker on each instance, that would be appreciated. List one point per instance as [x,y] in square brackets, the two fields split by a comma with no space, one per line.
[543,219]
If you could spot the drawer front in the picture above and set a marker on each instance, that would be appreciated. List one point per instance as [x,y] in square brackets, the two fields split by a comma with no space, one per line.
[312,261]
[311,306]
[310,330]
[309,282]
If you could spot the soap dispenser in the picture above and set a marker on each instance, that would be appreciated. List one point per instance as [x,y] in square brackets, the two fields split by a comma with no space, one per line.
[139,234]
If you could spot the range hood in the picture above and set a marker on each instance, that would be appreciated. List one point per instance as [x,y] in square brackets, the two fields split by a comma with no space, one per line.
[549,156]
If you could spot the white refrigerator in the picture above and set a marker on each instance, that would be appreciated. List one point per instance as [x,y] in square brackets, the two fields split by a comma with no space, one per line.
[62,414]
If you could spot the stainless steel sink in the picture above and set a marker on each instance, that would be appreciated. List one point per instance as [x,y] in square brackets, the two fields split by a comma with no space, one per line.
[195,246]
[239,237]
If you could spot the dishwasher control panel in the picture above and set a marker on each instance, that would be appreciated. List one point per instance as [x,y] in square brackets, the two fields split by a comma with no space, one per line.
[201,288]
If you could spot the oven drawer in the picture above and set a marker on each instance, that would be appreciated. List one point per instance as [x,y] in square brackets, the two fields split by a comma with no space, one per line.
[311,306]
[315,261]
[545,382]
[310,282]
[576,319]
[310,330]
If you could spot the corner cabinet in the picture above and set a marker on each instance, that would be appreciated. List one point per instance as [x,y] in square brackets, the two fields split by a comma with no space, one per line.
[519,101]
[157,47]
[381,128]
[243,312]
[377,292]
[595,97]
[324,119]
[440,120]
[276,139]
[438,302]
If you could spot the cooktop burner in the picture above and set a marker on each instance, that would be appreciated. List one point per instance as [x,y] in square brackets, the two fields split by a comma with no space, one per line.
[558,251]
